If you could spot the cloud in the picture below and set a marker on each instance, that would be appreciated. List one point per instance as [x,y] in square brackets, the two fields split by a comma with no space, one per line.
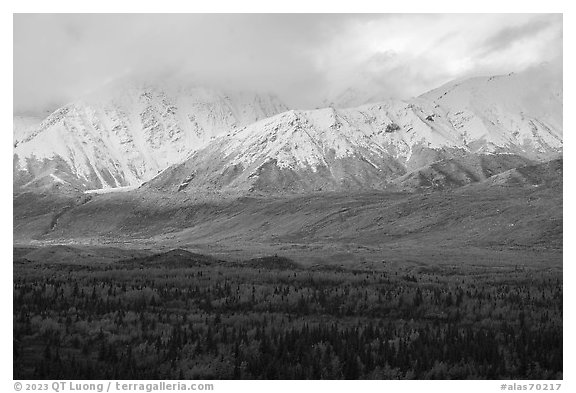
[509,36]
[303,58]
[406,55]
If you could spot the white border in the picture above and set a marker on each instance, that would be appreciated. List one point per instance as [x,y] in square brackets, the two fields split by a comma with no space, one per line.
[258,6]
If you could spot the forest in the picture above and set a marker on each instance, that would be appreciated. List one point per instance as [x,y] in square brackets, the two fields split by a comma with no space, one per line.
[185,316]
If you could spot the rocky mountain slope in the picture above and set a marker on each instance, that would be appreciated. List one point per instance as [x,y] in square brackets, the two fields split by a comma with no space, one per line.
[127,134]
[198,140]
[457,134]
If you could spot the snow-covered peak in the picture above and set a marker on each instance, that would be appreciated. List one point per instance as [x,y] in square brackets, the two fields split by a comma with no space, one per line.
[370,145]
[129,134]
[24,126]
[305,138]
[237,139]
[516,109]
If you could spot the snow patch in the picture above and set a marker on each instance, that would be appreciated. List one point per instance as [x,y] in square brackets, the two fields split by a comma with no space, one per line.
[111,190]
[57,179]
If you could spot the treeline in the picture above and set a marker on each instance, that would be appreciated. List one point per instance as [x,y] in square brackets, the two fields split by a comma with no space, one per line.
[229,322]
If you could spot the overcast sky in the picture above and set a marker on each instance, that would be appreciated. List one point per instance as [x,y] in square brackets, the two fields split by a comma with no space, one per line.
[303,58]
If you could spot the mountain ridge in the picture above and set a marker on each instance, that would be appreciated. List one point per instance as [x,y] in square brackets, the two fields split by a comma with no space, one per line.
[247,143]
[101,142]
[375,146]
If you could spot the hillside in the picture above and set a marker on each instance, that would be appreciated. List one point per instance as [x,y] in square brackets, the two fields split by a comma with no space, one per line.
[485,220]
[460,133]
[127,134]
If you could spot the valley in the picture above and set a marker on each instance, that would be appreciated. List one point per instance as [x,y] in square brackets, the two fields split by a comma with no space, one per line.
[194,233]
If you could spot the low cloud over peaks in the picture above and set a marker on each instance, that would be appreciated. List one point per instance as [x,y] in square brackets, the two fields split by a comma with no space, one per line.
[305,59]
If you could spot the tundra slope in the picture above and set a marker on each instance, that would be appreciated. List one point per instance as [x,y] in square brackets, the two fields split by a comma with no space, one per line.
[500,220]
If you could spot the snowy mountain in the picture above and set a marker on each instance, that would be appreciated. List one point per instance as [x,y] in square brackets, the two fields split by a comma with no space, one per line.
[480,127]
[354,97]
[24,126]
[126,135]
[516,109]
[195,139]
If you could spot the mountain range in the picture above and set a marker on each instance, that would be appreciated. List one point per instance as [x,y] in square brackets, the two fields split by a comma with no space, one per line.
[457,134]
[198,139]
[126,135]
[473,165]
